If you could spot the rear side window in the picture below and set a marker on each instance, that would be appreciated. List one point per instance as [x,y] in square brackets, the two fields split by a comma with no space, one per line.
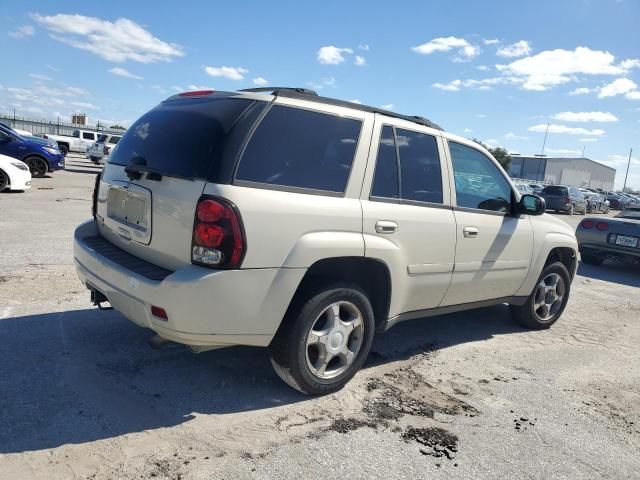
[101,138]
[88,136]
[420,176]
[299,148]
[114,140]
[182,138]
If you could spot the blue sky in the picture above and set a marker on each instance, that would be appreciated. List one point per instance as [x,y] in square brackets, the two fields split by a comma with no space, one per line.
[498,71]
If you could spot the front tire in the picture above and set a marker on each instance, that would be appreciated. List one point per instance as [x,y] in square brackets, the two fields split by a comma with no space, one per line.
[548,299]
[324,339]
[37,166]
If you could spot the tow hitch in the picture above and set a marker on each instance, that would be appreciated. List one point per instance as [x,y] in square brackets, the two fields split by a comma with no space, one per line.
[98,298]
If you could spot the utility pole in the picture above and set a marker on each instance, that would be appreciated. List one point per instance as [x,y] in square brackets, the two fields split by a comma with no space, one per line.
[545,139]
[627,174]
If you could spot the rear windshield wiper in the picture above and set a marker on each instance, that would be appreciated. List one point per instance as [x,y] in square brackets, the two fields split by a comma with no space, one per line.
[138,165]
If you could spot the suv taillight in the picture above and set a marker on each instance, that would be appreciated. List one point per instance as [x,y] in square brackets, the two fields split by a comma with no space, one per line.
[218,238]
[567,200]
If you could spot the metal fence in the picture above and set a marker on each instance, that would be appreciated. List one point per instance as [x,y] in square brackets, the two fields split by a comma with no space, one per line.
[39,126]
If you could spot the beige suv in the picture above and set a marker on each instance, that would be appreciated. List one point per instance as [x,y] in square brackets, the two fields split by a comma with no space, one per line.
[278,218]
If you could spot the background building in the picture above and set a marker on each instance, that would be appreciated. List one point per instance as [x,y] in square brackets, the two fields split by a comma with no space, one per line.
[575,172]
[79,119]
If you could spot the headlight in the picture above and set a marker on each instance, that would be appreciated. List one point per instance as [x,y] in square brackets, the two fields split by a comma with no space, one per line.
[20,165]
[52,151]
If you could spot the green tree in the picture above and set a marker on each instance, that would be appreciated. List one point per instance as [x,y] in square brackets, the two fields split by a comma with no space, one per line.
[117,127]
[499,153]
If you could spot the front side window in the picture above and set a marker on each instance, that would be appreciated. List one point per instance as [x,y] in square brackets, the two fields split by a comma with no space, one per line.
[300,148]
[417,156]
[88,136]
[479,183]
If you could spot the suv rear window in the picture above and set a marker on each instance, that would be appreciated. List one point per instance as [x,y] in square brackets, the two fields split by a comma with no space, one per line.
[182,138]
[555,190]
[300,148]
[114,140]
[102,138]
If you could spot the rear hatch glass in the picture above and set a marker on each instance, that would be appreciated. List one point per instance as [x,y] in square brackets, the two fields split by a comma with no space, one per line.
[181,138]
[555,190]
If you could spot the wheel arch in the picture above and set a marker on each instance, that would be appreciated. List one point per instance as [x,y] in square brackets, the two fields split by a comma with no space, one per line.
[37,155]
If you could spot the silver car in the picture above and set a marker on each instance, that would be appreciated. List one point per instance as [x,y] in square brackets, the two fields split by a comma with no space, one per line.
[99,152]
[612,238]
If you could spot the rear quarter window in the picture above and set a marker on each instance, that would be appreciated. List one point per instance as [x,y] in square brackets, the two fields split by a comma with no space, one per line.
[299,148]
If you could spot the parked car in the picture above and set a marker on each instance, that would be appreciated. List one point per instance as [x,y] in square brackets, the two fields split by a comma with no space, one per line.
[307,224]
[536,188]
[40,158]
[595,202]
[99,152]
[617,201]
[14,174]
[30,136]
[614,238]
[80,141]
[524,188]
[564,199]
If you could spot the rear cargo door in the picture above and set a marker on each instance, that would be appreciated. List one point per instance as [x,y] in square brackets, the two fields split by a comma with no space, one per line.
[155,175]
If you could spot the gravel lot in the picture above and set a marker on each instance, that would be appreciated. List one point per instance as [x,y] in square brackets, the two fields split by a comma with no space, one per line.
[468,395]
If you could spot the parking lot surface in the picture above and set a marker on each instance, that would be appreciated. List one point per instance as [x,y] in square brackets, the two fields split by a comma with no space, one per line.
[469,395]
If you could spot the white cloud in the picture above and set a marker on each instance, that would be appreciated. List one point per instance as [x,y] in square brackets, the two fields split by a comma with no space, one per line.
[388,106]
[581,91]
[563,151]
[635,95]
[360,61]
[491,41]
[40,77]
[160,89]
[466,51]
[563,129]
[513,136]
[619,86]
[23,32]
[355,100]
[630,63]
[261,81]
[588,140]
[177,89]
[117,41]
[492,142]
[483,84]
[467,130]
[585,117]
[518,49]
[232,73]
[555,67]
[85,105]
[363,46]
[483,68]
[122,72]
[452,86]
[194,88]
[331,55]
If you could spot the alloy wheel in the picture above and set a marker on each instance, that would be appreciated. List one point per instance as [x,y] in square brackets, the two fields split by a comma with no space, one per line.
[549,297]
[334,340]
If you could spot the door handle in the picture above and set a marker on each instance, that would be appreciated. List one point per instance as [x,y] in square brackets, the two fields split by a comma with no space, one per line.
[386,226]
[470,232]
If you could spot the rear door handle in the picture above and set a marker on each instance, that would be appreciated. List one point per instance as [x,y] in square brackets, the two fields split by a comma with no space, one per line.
[386,226]
[470,232]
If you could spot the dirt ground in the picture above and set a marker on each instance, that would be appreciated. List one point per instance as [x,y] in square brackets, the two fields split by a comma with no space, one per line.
[467,396]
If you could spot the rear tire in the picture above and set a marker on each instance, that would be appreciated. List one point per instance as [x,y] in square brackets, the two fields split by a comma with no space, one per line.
[548,299]
[4,180]
[37,166]
[592,259]
[324,339]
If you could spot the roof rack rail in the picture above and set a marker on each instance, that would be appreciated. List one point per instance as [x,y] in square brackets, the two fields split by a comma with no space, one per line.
[276,90]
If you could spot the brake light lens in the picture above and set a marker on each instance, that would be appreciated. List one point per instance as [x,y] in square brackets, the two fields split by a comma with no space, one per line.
[602,226]
[567,200]
[196,93]
[587,224]
[218,238]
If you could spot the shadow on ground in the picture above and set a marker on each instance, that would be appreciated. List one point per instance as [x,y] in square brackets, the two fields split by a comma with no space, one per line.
[85,375]
[611,271]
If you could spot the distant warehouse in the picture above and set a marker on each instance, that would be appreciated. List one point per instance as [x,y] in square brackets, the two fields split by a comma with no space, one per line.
[575,172]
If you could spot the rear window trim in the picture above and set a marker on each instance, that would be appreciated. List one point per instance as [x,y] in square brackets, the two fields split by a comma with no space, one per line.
[285,188]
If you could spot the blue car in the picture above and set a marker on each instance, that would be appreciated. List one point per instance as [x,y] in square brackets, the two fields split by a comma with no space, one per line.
[41,158]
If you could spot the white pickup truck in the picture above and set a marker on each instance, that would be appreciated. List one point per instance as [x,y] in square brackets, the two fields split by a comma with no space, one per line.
[80,141]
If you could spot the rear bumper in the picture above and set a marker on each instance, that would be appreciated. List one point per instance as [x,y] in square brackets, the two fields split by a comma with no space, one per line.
[610,251]
[205,307]
[56,162]
[563,207]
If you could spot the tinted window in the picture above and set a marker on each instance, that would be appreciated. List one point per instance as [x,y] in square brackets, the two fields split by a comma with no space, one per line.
[114,140]
[88,136]
[421,178]
[181,137]
[300,148]
[555,190]
[385,181]
[101,138]
[76,134]
[479,183]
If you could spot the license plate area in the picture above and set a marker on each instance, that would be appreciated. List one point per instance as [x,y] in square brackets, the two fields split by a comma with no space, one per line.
[129,211]
[626,241]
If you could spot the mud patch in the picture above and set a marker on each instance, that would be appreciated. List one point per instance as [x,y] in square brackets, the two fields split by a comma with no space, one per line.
[438,442]
[346,425]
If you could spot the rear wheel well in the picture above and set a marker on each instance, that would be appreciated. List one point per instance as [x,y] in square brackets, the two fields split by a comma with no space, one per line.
[371,275]
[565,255]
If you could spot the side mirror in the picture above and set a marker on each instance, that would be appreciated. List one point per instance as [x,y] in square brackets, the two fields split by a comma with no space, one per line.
[532,205]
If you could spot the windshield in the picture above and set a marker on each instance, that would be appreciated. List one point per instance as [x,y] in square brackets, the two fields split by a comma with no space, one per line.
[182,138]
